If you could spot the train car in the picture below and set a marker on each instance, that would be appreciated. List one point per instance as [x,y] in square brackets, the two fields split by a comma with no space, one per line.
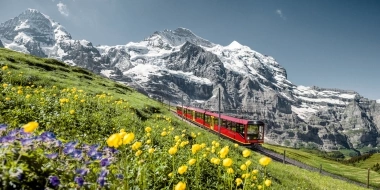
[243,131]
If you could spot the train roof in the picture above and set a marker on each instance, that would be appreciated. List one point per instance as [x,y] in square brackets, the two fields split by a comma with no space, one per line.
[226,117]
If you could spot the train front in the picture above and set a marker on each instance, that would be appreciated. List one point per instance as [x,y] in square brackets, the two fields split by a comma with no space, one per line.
[255,132]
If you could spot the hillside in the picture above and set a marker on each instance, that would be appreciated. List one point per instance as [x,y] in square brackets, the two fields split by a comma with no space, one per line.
[77,111]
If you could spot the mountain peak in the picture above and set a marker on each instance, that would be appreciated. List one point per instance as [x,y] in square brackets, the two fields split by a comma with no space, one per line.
[235,45]
[32,10]
[180,35]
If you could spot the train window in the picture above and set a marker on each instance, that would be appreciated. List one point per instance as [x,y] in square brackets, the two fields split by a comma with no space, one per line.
[224,123]
[253,132]
[207,119]
[233,126]
[240,129]
[229,123]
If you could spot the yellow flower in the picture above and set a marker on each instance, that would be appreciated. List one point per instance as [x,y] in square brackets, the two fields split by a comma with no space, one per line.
[182,169]
[138,153]
[5,85]
[72,112]
[170,174]
[173,150]
[215,161]
[216,144]
[236,145]
[7,98]
[122,130]
[148,141]
[163,133]
[128,138]
[203,145]
[254,172]
[248,162]
[30,127]
[180,186]
[195,148]
[192,161]
[183,144]
[238,181]
[223,152]
[259,187]
[82,100]
[136,145]
[227,162]
[151,150]
[148,129]
[114,140]
[246,153]
[176,138]
[264,161]
[243,167]
[183,135]
[246,175]
[268,182]
[230,171]
[19,92]
[4,67]
[27,96]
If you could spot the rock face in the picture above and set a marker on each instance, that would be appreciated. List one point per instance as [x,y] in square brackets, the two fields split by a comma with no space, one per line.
[1,44]
[177,64]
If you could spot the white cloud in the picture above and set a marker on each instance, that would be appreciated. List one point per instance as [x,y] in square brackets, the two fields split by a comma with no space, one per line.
[279,12]
[62,8]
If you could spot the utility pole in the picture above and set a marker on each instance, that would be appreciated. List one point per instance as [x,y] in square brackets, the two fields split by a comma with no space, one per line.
[183,111]
[219,112]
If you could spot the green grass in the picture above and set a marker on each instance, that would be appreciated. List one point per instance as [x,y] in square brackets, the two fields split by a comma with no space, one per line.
[33,89]
[368,163]
[350,172]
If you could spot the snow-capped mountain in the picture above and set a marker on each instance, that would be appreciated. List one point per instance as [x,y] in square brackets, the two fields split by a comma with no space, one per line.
[172,64]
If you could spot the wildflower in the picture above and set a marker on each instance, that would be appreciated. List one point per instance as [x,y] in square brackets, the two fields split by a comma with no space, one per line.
[82,172]
[246,153]
[254,172]
[105,162]
[5,85]
[27,142]
[236,145]
[151,150]
[176,138]
[170,174]
[138,153]
[173,150]
[28,96]
[230,171]
[136,145]
[243,167]
[19,92]
[264,161]
[119,176]
[113,140]
[30,127]
[215,161]
[227,162]
[3,127]
[54,180]
[82,100]
[223,152]
[148,129]
[192,161]
[103,173]
[259,187]
[7,98]
[52,155]
[163,133]
[4,67]
[238,181]
[180,186]
[203,145]
[101,181]
[246,175]
[182,169]
[79,181]
[268,182]
[72,112]
[248,162]
[148,141]
[128,138]
[195,148]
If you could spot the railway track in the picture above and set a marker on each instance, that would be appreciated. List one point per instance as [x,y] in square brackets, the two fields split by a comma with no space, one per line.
[280,158]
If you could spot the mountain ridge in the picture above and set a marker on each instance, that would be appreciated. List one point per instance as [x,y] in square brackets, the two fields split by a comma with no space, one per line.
[172,64]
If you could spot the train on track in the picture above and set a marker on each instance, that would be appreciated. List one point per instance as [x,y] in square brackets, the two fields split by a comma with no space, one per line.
[242,131]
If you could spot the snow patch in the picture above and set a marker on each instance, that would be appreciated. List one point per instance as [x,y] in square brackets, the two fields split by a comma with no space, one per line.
[304,111]
[22,25]
[378,101]
[190,76]
[106,72]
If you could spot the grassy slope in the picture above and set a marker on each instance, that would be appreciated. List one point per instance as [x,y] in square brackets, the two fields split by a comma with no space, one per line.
[47,72]
[368,163]
[351,172]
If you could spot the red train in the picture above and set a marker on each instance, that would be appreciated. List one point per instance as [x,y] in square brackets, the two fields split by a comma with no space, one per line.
[246,132]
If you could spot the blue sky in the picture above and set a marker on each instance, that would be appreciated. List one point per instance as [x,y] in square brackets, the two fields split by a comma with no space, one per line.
[331,44]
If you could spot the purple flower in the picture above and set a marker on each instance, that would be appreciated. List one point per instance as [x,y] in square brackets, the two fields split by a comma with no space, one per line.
[54,180]
[68,149]
[52,155]
[14,132]
[97,156]
[105,162]
[82,171]
[119,176]
[79,181]
[109,150]
[8,139]
[3,127]
[46,136]
[103,173]
[76,154]
[101,181]
[27,142]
